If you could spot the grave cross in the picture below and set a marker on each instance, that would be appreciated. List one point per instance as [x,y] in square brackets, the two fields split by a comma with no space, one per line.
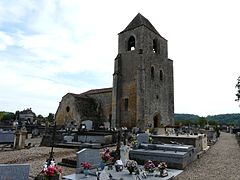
[51,153]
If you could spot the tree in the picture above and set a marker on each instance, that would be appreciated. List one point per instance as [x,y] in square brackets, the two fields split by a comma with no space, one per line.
[50,117]
[212,123]
[238,89]
[9,116]
[40,116]
[202,121]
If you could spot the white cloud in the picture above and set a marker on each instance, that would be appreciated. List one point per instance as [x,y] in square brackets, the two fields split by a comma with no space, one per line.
[40,40]
[5,40]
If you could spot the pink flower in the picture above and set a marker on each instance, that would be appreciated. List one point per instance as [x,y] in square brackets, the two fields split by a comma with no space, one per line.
[105,155]
[149,166]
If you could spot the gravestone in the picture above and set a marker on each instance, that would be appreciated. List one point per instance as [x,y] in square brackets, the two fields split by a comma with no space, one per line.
[6,137]
[124,153]
[20,137]
[35,132]
[142,138]
[96,138]
[88,124]
[88,155]
[14,171]
[135,130]
[107,125]
[68,138]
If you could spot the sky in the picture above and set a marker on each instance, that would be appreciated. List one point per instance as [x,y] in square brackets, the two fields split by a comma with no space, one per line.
[51,47]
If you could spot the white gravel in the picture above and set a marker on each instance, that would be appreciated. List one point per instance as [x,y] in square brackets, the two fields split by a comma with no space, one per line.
[220,162]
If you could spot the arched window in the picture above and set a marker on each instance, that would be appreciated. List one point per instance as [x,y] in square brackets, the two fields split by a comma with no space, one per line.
[126,104]
[156,121]
[155,46]
[161,75]
[152,73]
[131,44]
[67,108]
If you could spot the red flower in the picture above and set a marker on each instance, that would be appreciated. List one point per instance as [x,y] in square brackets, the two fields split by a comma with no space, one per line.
[50,171]
[86,165]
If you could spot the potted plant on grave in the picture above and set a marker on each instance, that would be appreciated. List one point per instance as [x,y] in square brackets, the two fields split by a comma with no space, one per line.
[149,166]
[162,167]
[134,144]
[131,166]
[106,158]
[50,172]
[86,166]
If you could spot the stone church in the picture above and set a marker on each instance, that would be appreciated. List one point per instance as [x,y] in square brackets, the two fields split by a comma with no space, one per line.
[142,94]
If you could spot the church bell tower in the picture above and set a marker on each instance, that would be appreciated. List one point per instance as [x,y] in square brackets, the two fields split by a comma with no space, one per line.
[142,94]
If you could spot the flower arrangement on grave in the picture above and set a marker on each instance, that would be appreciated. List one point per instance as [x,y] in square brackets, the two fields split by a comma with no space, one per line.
[105,156]
[132,166]
[134,143]
[149,166]
[86,165]
[162,167]
[51,171]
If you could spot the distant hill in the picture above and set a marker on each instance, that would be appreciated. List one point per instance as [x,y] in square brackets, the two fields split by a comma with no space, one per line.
[225,118]
[221,118]
[191,117]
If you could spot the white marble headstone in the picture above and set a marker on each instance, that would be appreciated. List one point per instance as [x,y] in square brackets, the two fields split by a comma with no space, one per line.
[124,153]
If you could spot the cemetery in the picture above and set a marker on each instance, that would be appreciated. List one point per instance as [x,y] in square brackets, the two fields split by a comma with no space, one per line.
[120,133]
[104,154]
[125,147]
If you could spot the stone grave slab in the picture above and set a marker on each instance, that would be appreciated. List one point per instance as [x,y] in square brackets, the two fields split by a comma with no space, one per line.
[124,174]
[88,155]
[195,140]
[168,147]
[14,171]
[174,159]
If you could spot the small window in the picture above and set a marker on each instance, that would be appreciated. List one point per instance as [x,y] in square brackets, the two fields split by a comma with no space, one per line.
[131,44]
[67,108]
[126,104]
[155,46]
[161,75]
[152,73]
[155,122]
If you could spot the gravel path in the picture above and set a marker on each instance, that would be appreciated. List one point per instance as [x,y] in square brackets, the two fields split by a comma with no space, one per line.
[221,162]
[36,156]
